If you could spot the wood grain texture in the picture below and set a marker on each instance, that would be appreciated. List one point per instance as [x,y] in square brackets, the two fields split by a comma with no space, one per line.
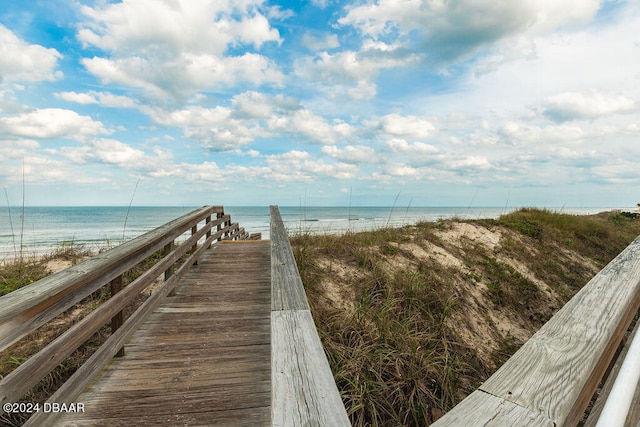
[23,378]
[304,391]
[202,357]
[287,290]
[26,309]
[69,390]
[481,409]
[556,372]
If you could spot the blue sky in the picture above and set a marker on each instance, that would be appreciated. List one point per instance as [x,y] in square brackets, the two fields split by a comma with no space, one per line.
[420,102]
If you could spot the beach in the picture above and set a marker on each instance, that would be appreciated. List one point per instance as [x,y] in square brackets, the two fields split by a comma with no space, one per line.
[36,231]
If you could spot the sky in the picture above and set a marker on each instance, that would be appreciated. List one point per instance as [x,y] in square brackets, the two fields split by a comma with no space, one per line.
[321,102]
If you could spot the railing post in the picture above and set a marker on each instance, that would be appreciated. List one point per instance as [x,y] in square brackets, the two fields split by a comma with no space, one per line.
[117,319]
[169,271]
[194,230]
[207,221]
[227,233]
[218,216]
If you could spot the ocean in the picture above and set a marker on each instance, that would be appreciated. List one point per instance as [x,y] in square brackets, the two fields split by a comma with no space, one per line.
[34,231]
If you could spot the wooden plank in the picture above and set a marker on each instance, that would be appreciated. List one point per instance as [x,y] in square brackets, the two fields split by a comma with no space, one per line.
[85,374]
[236,417]
[483,409]
[26,309]
[190,367]
[287,290]
[23,378]
[556,372]
[304,391]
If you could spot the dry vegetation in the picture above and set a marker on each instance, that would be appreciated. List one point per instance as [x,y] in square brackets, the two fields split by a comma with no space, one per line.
[21,272]
[414,319]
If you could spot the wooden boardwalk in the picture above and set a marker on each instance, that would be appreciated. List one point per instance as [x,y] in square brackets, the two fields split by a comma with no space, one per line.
[202,357]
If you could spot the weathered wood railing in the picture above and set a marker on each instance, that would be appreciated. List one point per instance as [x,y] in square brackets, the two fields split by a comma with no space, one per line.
[26,309]
[552,378]
[304,392]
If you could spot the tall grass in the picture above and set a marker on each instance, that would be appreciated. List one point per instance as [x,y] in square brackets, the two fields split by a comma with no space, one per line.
[393,355]
[386,317]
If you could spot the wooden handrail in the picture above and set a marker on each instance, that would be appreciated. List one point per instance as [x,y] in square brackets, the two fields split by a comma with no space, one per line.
[552,378]
[303,391]
[24,310]
[27,308]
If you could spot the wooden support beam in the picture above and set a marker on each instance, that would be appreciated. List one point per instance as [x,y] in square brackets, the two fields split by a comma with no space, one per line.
[116,321]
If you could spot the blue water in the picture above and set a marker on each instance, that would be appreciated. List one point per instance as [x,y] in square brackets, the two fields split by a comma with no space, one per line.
[40,230]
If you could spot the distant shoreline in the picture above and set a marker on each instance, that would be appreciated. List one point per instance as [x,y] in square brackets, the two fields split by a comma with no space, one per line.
[46,228]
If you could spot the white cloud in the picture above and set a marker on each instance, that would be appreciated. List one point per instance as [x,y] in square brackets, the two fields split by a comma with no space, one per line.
[339,72]
[39,168]
[185,74]
[350,66]
[364,90]
[51,123]
[313,127]
[550,14]
[320,3]
[471,163]
[398,145]
[12,150]
[402,170]
[257,105]
[618,171]
[519,133]
[210,71]
[203,172]
[172,49]
[21,61]
[109,151]
[24,158]
[404,126]
[457,29]
[589,104]
[213,128]
[317,43]
[510,84]
[168,28]
[276,12]
[351,153]
[251,115]
[299,166]
[106,99]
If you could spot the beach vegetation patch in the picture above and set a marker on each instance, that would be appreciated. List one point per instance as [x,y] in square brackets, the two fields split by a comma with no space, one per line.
[413,319]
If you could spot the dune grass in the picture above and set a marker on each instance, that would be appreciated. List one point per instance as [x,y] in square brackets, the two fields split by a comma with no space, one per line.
[389,319]
[393,355]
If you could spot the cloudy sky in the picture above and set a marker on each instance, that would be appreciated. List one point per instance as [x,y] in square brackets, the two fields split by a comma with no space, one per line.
[322,102]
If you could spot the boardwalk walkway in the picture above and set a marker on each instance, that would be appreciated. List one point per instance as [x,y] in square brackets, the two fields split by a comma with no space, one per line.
[202,357]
